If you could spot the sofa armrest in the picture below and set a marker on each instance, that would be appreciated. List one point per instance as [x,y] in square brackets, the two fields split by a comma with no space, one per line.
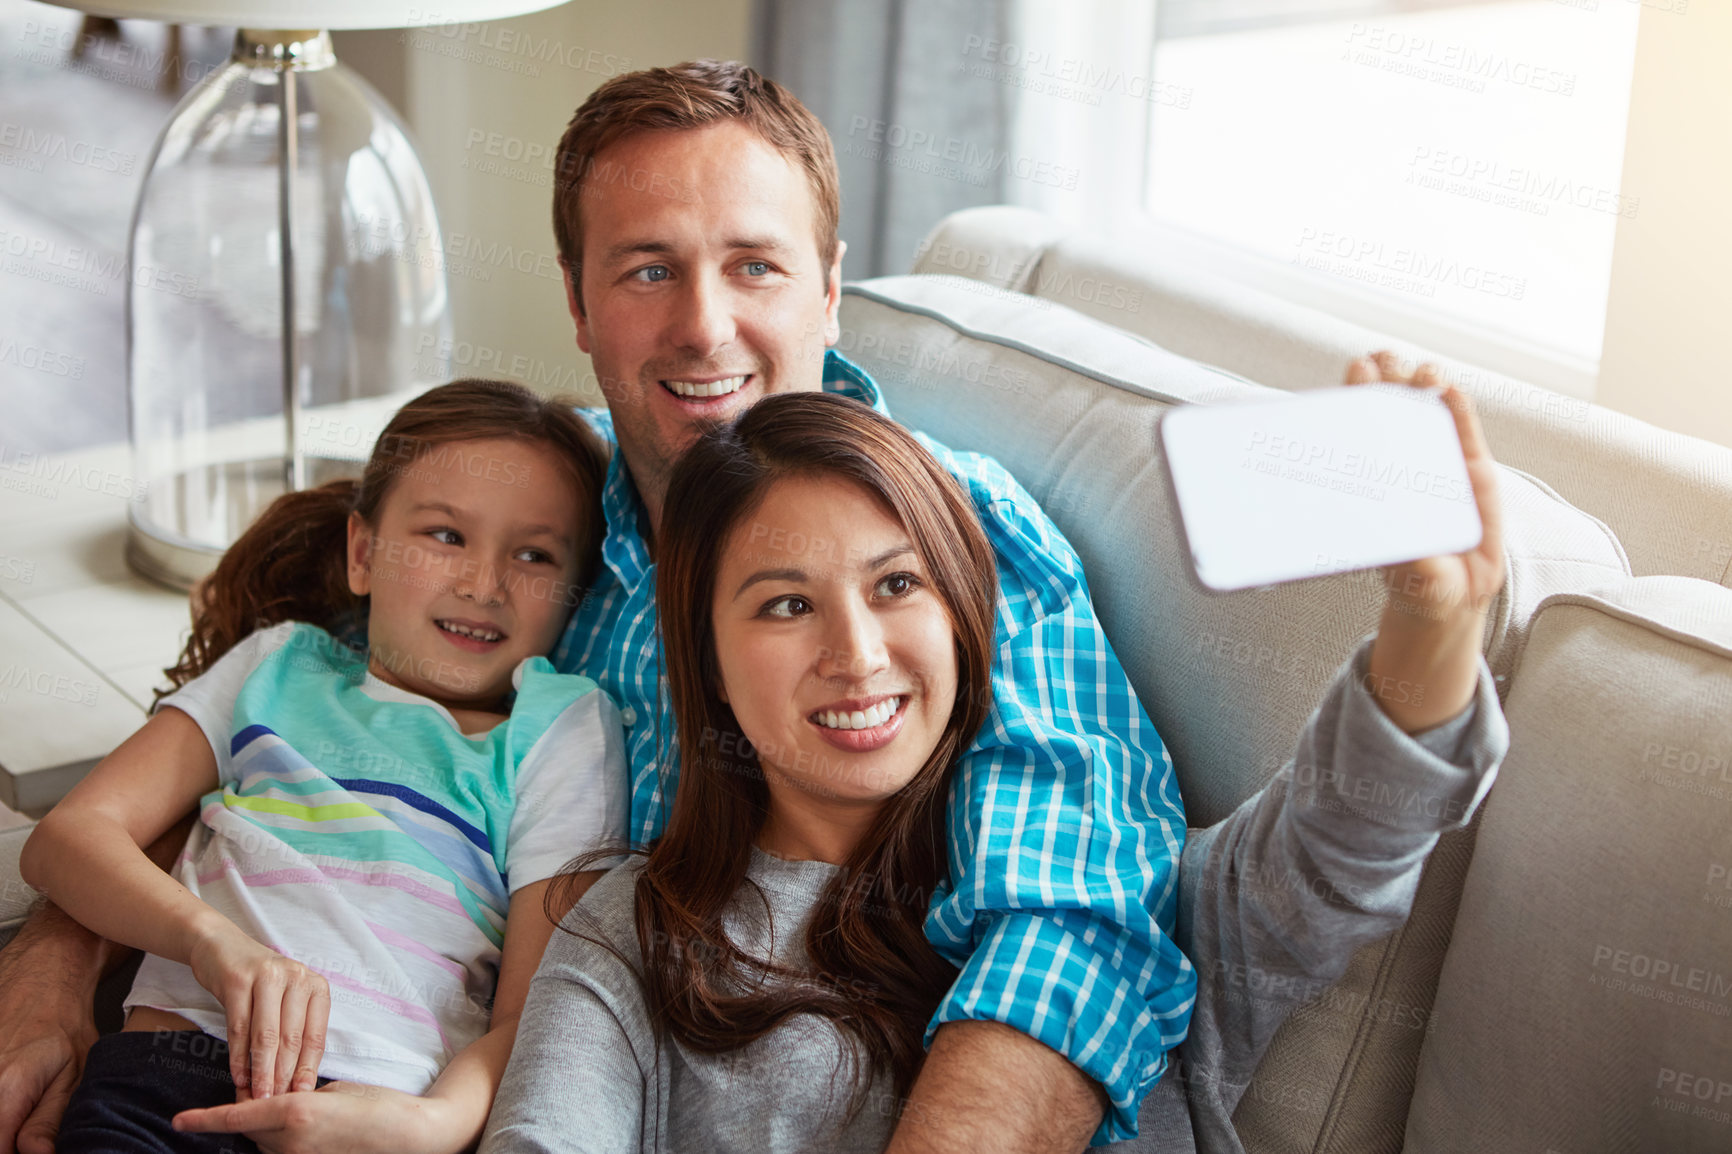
[15,897]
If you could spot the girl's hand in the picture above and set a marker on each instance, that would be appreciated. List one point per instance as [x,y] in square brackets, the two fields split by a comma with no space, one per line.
[346,1116]
[277,1011]
[1424,665]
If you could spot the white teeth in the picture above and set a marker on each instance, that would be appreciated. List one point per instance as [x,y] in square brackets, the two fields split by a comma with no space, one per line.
[719,388]
[466,631]
[860,718]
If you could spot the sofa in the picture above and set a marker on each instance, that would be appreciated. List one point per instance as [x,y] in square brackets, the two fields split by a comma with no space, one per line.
[1565,980]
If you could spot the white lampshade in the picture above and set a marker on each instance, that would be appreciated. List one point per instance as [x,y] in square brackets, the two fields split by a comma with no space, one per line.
[329,14]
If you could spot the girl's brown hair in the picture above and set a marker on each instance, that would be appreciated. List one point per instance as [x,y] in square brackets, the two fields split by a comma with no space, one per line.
[291,564]
[873,972]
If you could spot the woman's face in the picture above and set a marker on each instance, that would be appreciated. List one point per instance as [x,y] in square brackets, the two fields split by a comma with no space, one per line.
[836,651]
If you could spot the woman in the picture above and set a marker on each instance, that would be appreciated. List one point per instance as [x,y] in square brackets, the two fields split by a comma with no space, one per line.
[826,609]
[759,981]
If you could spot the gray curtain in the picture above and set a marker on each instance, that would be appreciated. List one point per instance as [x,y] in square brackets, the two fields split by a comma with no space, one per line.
[919,116]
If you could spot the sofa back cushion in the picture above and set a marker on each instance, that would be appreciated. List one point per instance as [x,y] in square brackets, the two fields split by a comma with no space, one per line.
[1677,521]
[1586,1002]
[1069,405]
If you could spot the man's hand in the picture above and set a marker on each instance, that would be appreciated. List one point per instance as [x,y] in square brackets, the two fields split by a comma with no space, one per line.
[48,975]
[1424,665]
[987,1088]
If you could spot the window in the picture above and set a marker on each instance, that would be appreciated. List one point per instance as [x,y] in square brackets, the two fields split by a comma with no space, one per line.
[1449,172]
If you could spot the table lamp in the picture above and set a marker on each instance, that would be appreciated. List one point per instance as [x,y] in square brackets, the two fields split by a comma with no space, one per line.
[286,285]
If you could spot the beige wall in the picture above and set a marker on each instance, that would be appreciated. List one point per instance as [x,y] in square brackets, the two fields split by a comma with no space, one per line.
[1669,312]
[486,104]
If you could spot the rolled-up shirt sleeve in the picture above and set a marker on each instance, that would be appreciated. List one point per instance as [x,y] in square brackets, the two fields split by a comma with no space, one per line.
[1065,830]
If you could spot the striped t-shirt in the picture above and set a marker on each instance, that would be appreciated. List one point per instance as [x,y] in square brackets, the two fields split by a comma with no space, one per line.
[357,830]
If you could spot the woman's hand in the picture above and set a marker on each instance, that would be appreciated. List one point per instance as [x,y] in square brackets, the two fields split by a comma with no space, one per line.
[1424,664]
[345,1116]
[277,1010]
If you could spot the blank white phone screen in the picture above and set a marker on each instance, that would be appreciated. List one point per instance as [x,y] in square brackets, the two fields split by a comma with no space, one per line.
[1321,482]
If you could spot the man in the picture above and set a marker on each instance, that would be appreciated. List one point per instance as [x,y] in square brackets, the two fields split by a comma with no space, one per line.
[696,212]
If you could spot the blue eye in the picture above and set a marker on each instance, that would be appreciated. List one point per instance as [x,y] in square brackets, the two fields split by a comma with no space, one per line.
[757,267]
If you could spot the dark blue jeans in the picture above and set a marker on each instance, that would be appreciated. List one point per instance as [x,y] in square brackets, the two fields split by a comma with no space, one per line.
[134,1083]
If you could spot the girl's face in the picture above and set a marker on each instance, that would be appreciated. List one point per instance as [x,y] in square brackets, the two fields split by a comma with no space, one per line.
[836,652]
[470,568]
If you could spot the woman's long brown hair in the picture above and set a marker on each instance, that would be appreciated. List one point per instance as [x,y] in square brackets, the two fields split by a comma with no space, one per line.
[291,564]
[873,972]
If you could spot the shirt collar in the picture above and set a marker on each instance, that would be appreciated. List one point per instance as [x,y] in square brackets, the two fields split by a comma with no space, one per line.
[624,550]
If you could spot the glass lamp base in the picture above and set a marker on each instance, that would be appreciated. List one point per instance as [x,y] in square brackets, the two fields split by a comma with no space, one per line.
[287,294]
[225,497]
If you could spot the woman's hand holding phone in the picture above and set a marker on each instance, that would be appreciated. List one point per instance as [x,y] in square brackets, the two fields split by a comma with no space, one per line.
[277,1010]
[1424,665]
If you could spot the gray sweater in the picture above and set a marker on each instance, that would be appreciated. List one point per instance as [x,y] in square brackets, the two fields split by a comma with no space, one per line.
[1352,816]
[585,1075]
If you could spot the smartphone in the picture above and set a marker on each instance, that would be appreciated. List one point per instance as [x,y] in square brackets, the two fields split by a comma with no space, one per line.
[1320,482]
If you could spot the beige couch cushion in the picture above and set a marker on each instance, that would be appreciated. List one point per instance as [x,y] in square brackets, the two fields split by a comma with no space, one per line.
[1678,520]
[1069,406]
[1586,1002]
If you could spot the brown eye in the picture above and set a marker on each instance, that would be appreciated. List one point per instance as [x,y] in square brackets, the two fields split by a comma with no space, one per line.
[899,584]
[789,606]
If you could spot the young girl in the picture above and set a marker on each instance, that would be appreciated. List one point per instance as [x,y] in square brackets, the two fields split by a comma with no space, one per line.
[362,898]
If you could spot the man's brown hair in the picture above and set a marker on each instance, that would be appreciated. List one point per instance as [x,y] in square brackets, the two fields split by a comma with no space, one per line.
[690,95]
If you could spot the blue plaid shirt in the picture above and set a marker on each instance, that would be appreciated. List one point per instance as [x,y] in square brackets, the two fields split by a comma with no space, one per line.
[1064,817]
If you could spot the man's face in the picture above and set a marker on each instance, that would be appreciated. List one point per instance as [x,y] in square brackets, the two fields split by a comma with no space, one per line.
[702,288]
